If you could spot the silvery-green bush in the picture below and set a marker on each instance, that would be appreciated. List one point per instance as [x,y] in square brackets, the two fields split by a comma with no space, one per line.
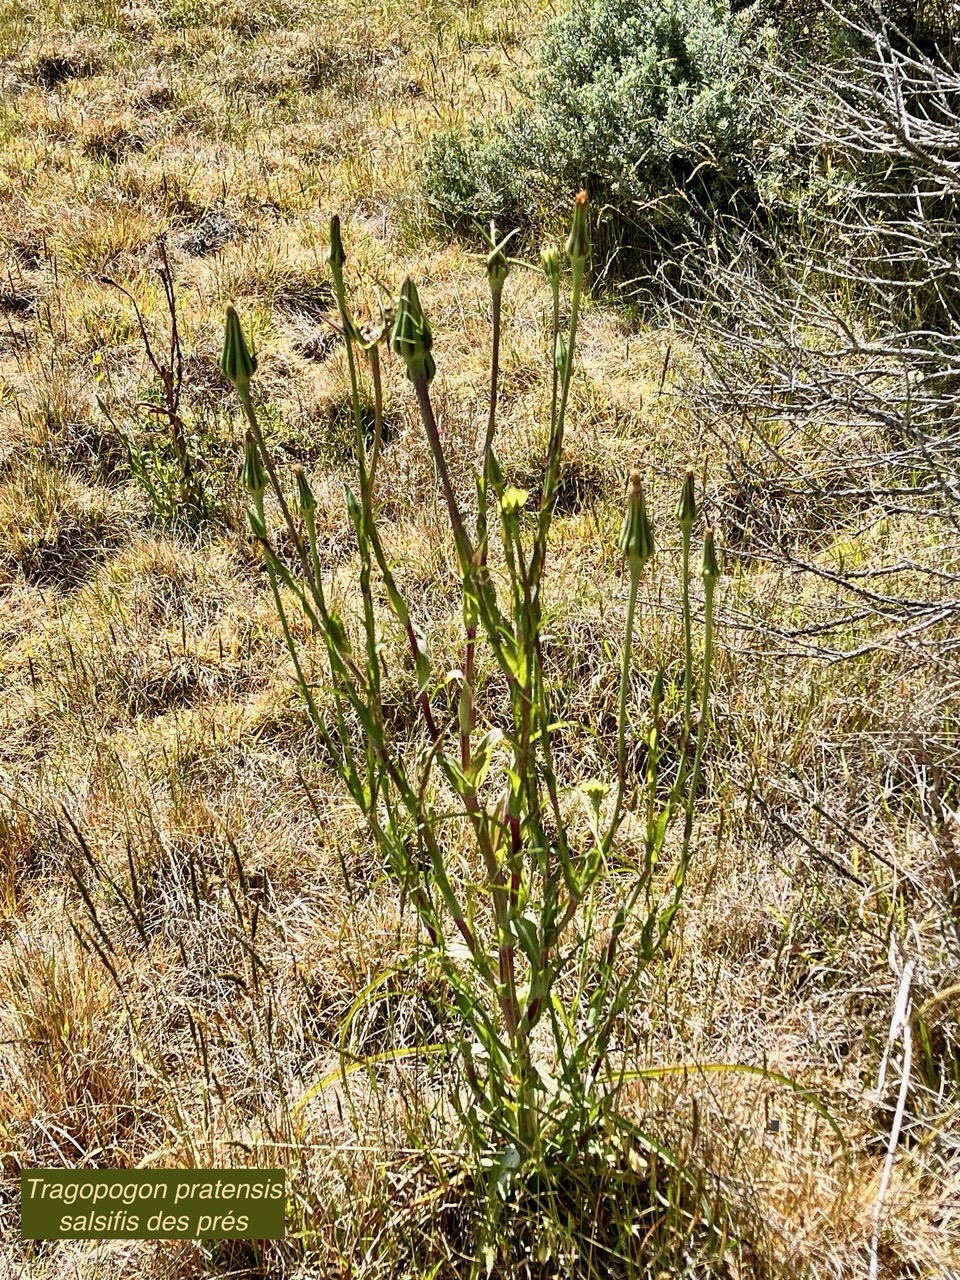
[657,109]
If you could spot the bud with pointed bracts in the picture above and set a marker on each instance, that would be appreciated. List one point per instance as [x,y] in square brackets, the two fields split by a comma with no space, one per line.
[636,536]
[687,506]
[254,476]
[411,336]
[237,363]
[711,569]
[336,257]
[305,499]
[578,241]
[498,268]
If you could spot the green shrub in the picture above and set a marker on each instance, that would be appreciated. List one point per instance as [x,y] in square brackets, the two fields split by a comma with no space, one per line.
[654,108]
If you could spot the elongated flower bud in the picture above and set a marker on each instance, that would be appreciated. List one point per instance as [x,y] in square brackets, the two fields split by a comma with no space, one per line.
[254,476]
[578,242]
[711,568]
[687,506]
[237,362]
[411,337]
[305,499]
[336,257]
[636,536]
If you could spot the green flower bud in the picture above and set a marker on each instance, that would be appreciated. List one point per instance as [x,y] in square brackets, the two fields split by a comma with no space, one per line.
[498,268]
[578,242]
[550,262]
[687,506]
[498,264]
[711,569]
[336,257]
[636,536]
[237,363]
[254,476]
[305,499]
[411,337]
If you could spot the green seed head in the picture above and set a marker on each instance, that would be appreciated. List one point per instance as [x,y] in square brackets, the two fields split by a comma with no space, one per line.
[411,337]
[711,569]
[305,499]
[254,476]
[636,536]
[578,242]
[336,257]
[237,363]
[687,506]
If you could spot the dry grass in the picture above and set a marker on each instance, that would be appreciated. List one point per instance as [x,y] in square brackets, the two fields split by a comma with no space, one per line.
[188,909]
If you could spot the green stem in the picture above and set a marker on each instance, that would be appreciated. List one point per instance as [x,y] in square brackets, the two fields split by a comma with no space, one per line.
[460,537]
[268,462]
[348,337]
[555,447]
[494,378]
[309,519]
[687,640]
[291,646]
[635,571]
[708,589]
[373,355]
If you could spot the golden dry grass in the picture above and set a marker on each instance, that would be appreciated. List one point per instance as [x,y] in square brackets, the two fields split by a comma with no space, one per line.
[152,737]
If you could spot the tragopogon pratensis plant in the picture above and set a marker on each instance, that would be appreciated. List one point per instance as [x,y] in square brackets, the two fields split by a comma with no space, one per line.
[535,1004]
